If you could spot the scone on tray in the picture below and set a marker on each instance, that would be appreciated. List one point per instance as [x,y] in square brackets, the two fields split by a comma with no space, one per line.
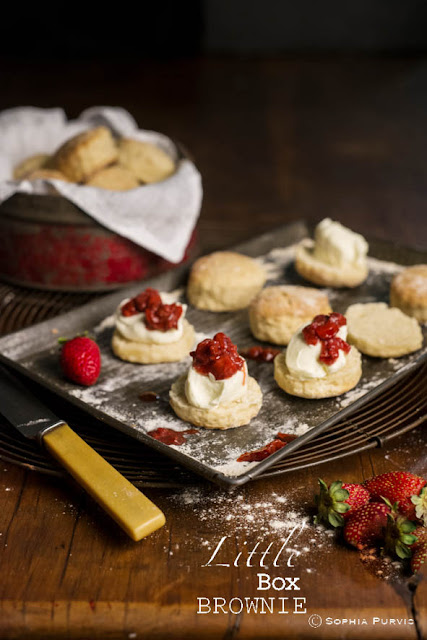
[216,392]
[85,154]
[224,281]
[145,161]
[318,362]
[408,292]
[381,331]
[151,328]
[277,312]
[336,257]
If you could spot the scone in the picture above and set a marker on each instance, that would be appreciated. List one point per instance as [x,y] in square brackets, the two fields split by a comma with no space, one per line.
[85,154]
[336,257]
[318,362]
[151,328]
[277,312]
[408,292]
[216,392]
[383,332]
[114,178]
[46,174]
[224,281]
[145,161]
[38,161]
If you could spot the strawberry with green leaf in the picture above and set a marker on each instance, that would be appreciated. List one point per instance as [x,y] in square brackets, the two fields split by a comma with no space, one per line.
[400,487]
[380,522]
[419,549]
[336,502]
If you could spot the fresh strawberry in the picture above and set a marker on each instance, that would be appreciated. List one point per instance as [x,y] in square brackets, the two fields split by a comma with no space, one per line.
[421,536]
[81,360]
[419,556]
[399,487]
[336,502]
[367,524]
[380,522]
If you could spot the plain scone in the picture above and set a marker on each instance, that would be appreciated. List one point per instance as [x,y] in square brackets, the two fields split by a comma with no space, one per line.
[224,281]
[114,178]
[148,353]
[277,312]
[333,384]
[85,154]
[46,174]
[324,274]
[145,161]
[225,416]
[37,161]
[408,292]
[383,332]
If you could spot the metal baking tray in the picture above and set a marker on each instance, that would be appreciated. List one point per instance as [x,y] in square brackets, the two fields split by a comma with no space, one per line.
[115,399]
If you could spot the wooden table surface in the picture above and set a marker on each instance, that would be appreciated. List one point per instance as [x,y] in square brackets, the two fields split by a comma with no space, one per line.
[275,140]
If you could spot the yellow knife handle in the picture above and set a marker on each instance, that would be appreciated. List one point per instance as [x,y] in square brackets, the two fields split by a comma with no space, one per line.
[133,511]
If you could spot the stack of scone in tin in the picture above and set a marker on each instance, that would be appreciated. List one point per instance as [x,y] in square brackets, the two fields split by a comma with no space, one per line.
[97,159]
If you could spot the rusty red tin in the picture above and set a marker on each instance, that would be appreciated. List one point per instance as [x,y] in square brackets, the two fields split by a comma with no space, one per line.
[47,242]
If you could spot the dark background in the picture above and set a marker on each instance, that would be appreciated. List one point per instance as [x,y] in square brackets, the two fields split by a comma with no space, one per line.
[173,29]
[290,109]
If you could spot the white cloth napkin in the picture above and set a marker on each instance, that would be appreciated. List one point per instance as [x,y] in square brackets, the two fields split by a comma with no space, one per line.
[159,217]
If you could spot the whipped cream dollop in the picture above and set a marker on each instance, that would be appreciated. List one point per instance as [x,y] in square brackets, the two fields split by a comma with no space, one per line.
[302,359]
[336,245]
[206,392]
[134,328]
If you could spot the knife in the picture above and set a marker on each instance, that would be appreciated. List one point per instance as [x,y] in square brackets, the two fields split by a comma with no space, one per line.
[133,511]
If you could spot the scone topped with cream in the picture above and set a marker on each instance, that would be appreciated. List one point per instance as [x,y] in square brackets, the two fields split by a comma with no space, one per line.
[336,258]
[151,328]
[319,363]
[217,391]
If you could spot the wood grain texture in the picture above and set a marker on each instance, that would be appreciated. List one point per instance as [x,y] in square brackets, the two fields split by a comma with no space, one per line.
[275,140]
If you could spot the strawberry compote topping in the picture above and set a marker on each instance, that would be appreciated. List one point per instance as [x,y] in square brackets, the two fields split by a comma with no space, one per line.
[138,304]
[325,329]
[217,356]
[163,317]
[158,316]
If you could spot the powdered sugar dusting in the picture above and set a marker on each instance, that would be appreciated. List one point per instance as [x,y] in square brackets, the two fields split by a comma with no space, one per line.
[116,396]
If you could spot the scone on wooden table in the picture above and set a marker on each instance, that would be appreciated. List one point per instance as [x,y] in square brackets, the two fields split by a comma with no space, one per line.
[381,331]
[85,154]
[151,328]
[145,161]
[216,392]
[224,281]
[336,257]
[277,312]
[114,178]
[318,362]
[37,161]
[408,292]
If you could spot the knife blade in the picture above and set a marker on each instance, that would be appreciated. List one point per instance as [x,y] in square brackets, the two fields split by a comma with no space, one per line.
[130,508]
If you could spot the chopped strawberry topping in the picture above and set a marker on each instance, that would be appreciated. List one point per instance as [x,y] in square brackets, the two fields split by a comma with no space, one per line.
[281,440]
[138,304]
[158,316]
[164,317]
[217,356]
[325,329]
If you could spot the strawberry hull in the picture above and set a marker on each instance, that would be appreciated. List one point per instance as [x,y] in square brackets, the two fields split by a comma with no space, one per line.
[49,243]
